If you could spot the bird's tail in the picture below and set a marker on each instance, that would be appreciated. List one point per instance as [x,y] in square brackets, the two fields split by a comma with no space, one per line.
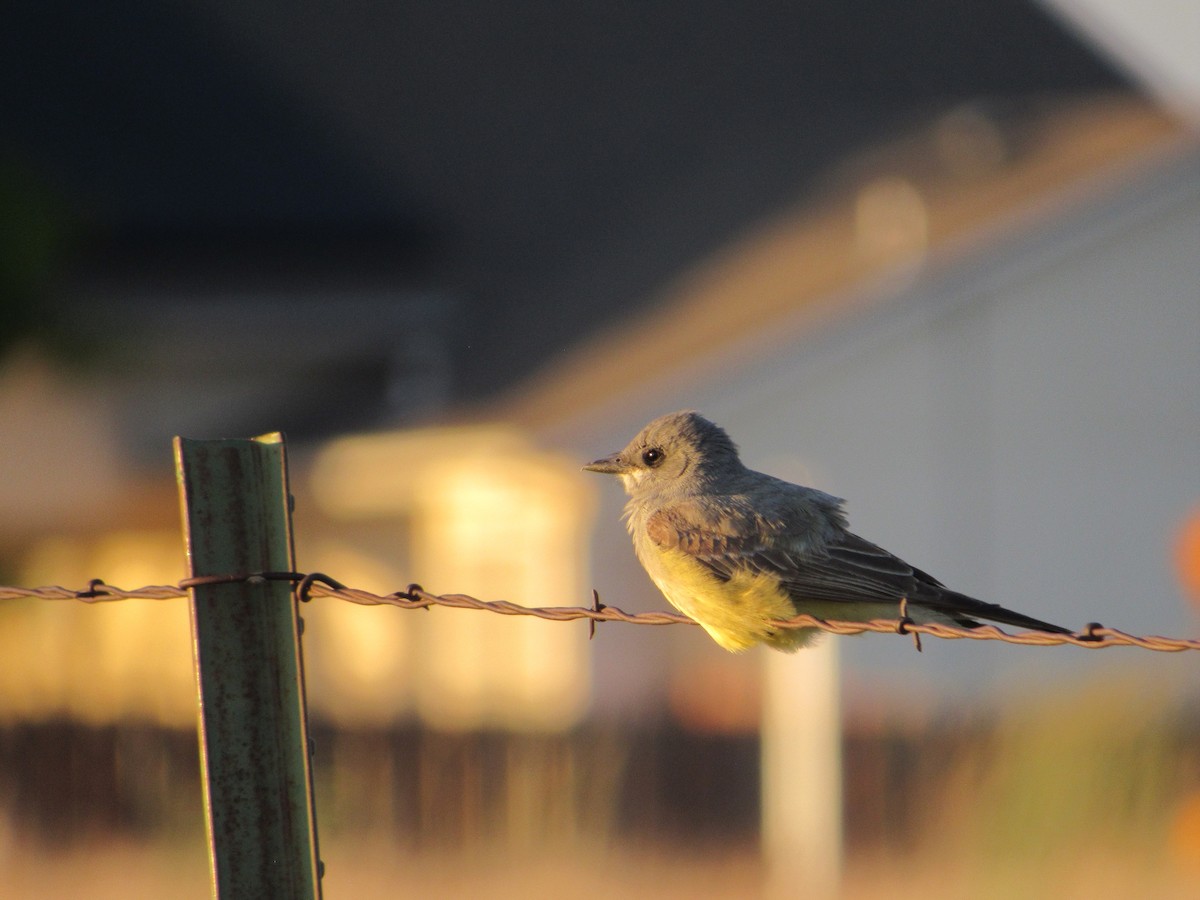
[967,610]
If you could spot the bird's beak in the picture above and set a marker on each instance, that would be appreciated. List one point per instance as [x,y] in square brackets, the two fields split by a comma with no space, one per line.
[609,465]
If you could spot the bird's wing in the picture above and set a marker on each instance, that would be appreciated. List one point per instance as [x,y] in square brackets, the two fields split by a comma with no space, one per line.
[813,557]
[815,564]
[862,571]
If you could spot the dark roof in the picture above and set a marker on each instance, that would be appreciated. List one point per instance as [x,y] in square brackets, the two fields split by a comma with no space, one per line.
[546,166]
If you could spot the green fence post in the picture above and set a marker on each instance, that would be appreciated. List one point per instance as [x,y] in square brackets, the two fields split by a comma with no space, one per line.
[246,638]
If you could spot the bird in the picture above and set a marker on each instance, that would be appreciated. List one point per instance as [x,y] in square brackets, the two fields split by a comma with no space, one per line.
[736,550]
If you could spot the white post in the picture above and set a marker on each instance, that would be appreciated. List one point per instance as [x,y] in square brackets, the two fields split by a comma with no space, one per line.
[802,772]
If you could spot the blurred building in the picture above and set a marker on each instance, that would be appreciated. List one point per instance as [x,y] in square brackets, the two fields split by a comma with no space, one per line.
[997,407]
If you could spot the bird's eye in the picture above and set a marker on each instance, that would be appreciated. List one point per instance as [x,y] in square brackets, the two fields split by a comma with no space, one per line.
[652,457]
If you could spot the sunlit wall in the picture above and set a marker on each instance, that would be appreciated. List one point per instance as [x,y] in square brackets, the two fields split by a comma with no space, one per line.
[471,510]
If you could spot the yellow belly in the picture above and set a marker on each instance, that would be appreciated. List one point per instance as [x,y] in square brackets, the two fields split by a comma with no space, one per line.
[737,613]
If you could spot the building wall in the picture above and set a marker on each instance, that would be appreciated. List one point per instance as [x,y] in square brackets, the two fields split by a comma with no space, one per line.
[1025,426]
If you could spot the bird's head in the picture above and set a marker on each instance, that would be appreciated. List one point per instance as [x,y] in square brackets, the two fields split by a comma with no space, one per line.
[678,453]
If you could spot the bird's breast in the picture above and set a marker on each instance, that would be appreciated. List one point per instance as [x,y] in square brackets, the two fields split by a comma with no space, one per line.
[737,611]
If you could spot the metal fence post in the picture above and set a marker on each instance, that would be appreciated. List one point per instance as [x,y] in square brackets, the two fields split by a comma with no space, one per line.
[249,673]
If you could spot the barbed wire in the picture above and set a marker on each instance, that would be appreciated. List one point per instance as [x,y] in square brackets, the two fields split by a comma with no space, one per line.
[1093,636]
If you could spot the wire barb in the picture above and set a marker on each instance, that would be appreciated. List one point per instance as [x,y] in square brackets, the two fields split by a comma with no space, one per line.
[1092,636]
[93,591]
[597,606]
[904,622]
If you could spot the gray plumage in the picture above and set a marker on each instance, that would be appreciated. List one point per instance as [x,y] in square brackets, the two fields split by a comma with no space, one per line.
[735,548]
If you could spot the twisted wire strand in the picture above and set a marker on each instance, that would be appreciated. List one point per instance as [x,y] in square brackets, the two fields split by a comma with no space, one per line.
[307,586]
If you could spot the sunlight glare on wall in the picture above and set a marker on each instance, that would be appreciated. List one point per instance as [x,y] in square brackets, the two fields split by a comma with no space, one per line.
[105,662]
[490,515]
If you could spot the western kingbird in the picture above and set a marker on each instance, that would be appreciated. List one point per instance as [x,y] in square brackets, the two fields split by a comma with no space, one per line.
[735,549]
